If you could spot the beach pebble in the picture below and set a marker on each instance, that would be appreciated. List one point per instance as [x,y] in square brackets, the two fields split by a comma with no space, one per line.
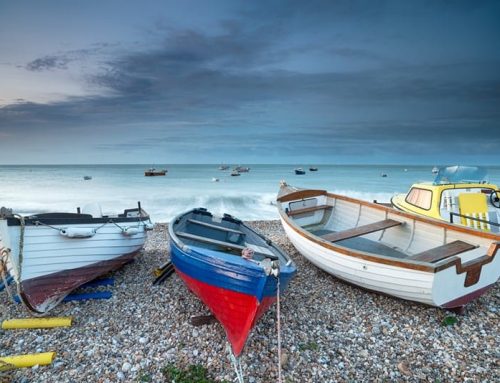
[331,332]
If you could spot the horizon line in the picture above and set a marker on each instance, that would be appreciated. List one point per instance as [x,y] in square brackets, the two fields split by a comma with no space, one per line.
[247,163]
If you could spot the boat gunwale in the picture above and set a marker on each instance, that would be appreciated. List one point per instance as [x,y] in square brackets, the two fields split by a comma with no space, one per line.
[287,264]
[33,220]
[382,259]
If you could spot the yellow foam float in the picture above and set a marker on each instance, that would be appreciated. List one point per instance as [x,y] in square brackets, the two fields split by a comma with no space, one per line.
[11,324]
[28,360]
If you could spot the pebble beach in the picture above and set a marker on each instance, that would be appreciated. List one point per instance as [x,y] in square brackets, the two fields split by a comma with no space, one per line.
[331,332]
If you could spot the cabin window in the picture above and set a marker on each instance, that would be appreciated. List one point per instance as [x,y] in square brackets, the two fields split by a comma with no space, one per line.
[421,198]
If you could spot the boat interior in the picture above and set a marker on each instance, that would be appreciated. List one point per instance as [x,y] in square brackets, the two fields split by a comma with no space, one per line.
[362,227]
[458,204]
[227,234]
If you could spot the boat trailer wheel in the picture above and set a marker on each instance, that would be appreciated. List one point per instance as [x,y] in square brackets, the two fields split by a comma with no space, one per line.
[495,198]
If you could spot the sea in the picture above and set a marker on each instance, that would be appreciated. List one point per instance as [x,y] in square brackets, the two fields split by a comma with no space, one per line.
[31,189]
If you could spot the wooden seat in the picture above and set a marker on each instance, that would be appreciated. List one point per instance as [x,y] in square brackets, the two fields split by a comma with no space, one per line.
[439,253]
[216,227]
[361,230]
[308,210]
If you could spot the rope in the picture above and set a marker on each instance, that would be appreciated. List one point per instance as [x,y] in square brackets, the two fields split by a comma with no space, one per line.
[236,364]
[20,263]
[139,222]
[278,321]
[4,278]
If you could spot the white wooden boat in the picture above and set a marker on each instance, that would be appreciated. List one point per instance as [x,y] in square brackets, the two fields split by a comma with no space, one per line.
[51,254]
[389,251]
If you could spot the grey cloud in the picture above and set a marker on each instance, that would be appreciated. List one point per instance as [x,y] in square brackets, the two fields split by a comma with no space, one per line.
[226,77]
[48,63]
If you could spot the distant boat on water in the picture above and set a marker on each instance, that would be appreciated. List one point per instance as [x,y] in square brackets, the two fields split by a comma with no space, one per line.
[235,173]
[215,179]
[383,175]
[312,169]
[87,178]
[241,169]
[435,170]
[151,172]
[299,171]
[223,167]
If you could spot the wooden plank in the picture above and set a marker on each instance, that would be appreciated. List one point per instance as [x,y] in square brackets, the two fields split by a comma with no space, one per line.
[308,210]
[216,227]
[299,195]
[228,245]
[361,230]
[439,253]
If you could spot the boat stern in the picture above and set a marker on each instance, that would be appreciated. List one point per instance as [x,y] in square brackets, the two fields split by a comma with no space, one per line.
[458,285]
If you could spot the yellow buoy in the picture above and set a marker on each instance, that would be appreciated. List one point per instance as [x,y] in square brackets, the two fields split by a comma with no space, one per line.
[28,360]
[37,323]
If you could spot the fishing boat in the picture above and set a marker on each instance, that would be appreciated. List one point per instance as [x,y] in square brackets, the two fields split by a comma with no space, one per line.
[51,254]
[235,173]
[223,167]
[87,178]
[299,171]
[215,179]
[152,172]
[241,169]
[313,169]
[233,269]
[459,195]
[388,251]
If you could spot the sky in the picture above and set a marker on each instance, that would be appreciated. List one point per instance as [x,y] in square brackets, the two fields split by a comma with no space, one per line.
[325,82]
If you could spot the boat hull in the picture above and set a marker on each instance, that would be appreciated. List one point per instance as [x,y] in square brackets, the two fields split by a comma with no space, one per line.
[415,258]
[154,174]
[444,288]
[51,265]
[43,293]
[236,296]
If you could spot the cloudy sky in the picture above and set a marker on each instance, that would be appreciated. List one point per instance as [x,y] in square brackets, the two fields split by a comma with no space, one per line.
[336,81]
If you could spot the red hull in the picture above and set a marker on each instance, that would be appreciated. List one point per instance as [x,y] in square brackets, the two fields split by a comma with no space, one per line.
[237,312]
[43,293]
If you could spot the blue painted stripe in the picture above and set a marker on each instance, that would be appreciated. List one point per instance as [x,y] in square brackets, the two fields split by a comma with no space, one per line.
[98,282]
[81,297]
[227,271]
[215,271]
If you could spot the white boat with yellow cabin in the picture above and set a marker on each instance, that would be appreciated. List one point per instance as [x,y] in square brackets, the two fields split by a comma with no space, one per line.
[459,194]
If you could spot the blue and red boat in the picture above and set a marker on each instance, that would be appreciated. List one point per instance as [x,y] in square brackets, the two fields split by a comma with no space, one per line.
[233,269]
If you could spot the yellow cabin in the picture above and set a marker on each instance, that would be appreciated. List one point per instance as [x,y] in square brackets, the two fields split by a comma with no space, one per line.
[459,195]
